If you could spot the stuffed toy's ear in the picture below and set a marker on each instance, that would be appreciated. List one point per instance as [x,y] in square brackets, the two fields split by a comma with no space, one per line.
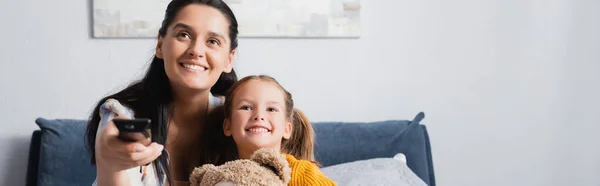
[199,172]
[275,161]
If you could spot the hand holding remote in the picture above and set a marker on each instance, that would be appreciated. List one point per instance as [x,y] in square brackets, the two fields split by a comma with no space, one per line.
[118,151]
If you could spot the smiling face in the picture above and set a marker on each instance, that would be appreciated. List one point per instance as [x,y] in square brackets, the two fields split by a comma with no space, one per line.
[196,47]
[258,117]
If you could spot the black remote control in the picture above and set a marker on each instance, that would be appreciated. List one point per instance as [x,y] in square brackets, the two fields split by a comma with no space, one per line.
[133,129]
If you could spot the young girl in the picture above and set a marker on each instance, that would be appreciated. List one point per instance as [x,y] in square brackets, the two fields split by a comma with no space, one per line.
[259,113]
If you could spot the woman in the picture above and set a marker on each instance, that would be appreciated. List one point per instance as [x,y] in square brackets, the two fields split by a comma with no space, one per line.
[195,48]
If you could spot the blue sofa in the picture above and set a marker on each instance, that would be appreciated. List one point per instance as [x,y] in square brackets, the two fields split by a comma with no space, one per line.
[58,155]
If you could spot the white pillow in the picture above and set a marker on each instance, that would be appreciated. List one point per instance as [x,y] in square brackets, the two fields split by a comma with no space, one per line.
[377,171]
[401,157]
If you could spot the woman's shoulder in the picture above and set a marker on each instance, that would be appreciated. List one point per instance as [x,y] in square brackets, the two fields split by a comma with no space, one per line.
[215,101]
[114,106]
[218,99]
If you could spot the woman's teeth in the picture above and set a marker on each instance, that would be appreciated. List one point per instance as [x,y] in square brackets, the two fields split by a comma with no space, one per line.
[193,67]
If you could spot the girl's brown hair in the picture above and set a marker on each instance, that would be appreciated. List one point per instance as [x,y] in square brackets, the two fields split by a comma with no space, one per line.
[223,149]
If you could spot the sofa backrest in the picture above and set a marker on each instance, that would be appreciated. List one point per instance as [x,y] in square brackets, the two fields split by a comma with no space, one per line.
[341,142]
[58,155]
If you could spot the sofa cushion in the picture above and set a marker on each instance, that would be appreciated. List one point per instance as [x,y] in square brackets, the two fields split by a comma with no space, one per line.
[341,142]
[63,158]
[377,171]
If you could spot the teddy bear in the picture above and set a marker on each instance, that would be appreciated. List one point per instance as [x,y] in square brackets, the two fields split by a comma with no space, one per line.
[265,167]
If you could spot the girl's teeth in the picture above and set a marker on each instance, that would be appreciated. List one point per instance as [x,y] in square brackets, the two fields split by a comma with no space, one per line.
[258,130]
[193,67]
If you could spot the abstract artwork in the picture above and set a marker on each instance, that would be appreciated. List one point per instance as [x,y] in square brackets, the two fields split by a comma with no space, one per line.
[256,18]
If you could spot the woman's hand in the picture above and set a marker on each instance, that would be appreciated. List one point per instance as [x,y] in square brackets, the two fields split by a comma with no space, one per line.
[114,154]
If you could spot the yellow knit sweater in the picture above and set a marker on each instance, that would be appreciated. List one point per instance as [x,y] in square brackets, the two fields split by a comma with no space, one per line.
[306,173]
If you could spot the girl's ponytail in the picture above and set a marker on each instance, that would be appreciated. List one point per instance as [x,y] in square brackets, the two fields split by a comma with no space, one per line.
[301,142]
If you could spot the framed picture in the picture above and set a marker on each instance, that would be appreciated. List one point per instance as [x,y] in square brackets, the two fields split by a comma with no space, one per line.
[256,18]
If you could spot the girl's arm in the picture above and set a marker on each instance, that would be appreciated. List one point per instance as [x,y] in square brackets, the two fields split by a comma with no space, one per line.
[307,173]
